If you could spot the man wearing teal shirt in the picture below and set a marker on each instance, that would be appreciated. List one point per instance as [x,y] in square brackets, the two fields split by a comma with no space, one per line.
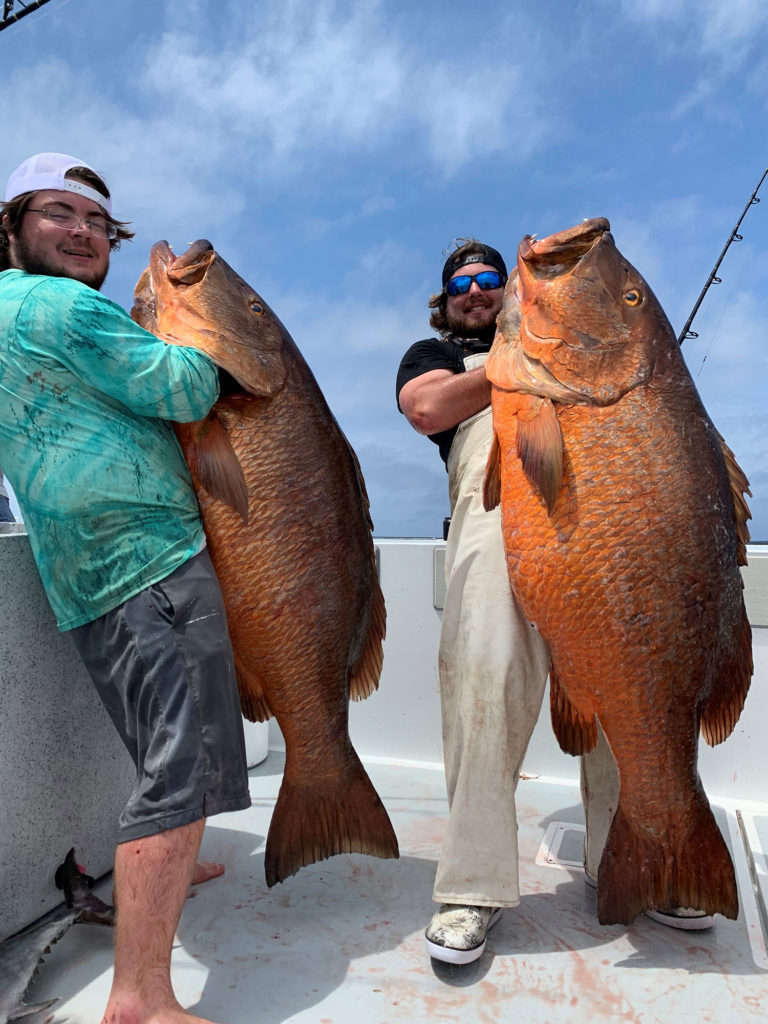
[113,521]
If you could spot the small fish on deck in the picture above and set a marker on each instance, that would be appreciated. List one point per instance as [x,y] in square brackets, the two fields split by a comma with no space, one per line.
[625,525]
[21,953]
[286,516]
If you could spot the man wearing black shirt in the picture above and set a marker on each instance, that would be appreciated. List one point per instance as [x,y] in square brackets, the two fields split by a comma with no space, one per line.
[492,663]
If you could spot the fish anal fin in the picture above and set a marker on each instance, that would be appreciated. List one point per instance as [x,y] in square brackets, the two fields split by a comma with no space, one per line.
[342,814]
[720,712]
[492,481]
[739,488]
[364,678]
[254,702]
[638,872]
[213,462]
[575,732]
[540,447]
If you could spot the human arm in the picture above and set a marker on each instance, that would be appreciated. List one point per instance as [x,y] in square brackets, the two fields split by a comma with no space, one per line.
[440,399]
[64,324]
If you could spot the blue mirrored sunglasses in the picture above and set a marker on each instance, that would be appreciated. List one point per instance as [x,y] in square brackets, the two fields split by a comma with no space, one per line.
[487,280]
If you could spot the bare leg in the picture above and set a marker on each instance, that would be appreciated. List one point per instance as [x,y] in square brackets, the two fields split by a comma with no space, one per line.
[152,876]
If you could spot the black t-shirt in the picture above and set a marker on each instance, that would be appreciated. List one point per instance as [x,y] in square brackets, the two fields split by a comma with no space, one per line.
[438,354]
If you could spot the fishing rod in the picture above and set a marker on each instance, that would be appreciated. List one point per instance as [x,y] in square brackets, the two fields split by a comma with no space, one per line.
[713,279]
[8,17]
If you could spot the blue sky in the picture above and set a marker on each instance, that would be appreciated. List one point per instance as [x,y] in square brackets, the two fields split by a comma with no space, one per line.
[333,151]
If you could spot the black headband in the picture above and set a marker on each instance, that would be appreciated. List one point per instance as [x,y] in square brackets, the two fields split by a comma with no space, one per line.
[481,254]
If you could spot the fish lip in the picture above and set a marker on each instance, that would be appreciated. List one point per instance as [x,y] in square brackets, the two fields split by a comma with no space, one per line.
[182,269]
[559,253]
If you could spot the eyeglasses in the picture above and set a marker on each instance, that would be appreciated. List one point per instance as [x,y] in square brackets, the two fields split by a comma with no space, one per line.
[486,280]
[68,220]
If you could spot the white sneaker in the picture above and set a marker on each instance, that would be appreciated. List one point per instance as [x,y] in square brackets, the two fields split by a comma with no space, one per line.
[456,934]
[684,918]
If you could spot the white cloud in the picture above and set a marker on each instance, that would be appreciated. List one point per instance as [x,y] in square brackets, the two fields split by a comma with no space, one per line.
[340,78]
[723,29]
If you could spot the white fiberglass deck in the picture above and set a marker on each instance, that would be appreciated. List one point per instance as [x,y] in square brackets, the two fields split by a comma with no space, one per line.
[342,941]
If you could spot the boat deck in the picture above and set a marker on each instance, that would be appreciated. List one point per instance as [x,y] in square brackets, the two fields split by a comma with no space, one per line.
[341,942]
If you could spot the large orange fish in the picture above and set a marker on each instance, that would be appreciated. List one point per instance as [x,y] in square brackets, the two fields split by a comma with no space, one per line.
[624,526]
[286,516]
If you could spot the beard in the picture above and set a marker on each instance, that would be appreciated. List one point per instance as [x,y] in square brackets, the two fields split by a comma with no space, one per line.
[24,259]
[480,323]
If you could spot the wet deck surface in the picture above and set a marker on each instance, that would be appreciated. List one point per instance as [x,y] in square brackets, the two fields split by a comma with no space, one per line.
[342,942]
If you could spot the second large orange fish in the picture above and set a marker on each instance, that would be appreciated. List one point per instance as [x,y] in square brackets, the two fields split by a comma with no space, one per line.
[286,516]
[624,525]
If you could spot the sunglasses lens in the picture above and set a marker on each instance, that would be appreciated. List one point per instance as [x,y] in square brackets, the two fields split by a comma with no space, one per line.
[459,285]
[488,280]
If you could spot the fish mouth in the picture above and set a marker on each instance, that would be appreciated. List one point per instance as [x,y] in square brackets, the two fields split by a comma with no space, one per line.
[188,268]
[560,253]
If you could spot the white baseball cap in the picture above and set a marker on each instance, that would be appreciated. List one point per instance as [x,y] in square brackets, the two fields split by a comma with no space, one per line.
[47,170]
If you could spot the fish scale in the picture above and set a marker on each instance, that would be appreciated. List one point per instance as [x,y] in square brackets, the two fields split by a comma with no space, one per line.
[624,526]
[287,523]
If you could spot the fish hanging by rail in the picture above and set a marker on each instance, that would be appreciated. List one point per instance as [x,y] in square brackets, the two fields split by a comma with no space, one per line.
[624,524]
[286,516]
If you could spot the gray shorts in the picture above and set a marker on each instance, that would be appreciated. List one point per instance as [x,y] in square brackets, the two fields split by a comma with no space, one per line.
[162,664]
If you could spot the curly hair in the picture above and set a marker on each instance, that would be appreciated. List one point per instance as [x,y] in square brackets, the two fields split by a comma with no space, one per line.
[12,213]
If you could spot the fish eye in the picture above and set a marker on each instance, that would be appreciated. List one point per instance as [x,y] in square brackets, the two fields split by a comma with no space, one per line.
[633,297]
[257,308]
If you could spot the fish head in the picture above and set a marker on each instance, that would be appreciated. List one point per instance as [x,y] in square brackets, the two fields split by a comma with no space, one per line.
[196,299]
[580,325]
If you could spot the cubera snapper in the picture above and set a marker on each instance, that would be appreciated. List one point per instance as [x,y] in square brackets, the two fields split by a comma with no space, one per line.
[287,521]
[624,523]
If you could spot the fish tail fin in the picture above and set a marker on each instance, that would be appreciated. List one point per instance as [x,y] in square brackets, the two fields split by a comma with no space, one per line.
[492,481]
[364,678]
[691,868]
[724,705]
[341,815]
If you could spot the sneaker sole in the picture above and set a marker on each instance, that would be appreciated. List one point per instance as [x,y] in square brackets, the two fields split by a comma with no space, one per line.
[449,955]
[683,924]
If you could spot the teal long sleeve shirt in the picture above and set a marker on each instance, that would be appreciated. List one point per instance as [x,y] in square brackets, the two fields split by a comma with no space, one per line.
[85,399]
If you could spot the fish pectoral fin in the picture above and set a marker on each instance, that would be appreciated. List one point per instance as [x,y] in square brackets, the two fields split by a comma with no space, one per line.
[213,461]
[540,447]
[492,481]
[576,732]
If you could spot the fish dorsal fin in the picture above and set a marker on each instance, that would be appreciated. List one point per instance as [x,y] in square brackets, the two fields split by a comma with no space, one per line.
[739,487]
[540,447]
[492,482]
[212,460]
[576,732]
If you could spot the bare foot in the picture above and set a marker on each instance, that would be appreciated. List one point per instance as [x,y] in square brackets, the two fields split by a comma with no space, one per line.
[127,1012]
[205,870]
